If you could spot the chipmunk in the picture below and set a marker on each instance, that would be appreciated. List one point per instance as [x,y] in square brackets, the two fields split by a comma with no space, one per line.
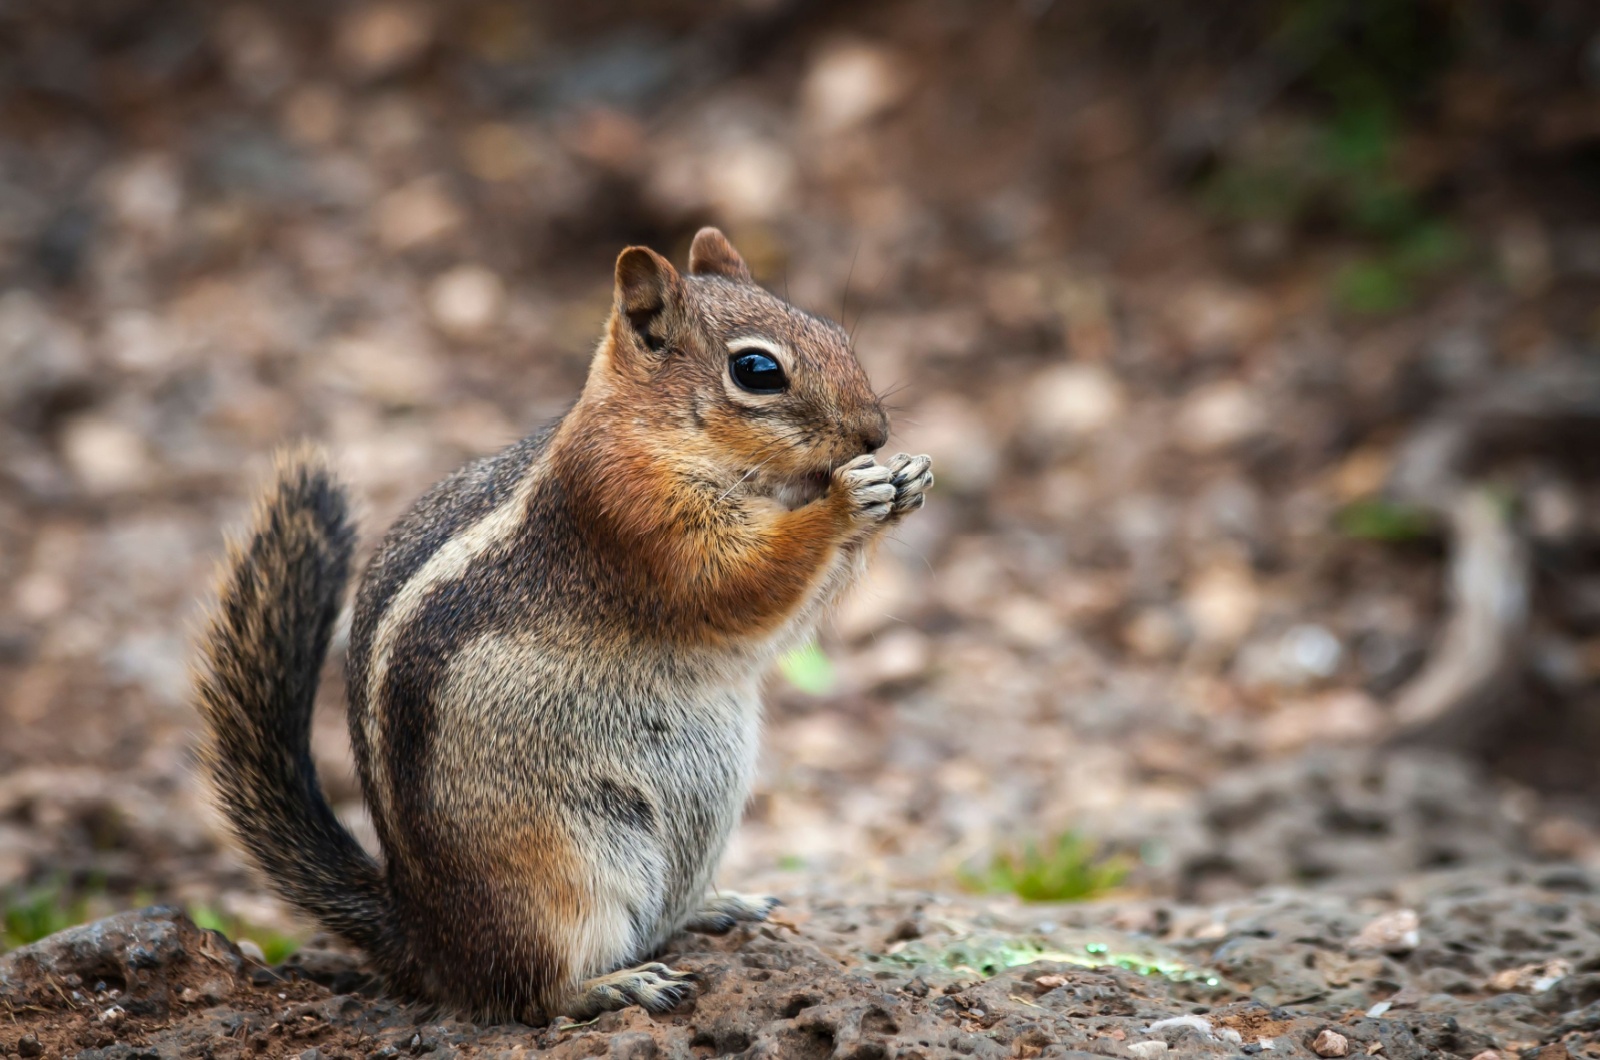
[555,658]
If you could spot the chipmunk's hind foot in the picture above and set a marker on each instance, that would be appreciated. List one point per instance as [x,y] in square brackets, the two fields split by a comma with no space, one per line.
[721,912]
[653,987]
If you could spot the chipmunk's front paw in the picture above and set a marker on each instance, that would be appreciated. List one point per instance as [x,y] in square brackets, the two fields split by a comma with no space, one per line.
[653,987]
[721,912]
[868,490]
[912,477]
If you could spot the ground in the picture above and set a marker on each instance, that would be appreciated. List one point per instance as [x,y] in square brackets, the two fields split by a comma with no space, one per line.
[1232,392]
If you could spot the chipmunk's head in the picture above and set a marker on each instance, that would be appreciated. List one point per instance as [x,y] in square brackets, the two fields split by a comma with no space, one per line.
[722,369]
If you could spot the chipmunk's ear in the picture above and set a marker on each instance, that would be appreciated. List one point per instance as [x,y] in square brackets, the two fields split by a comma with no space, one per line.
[647,286]
[713,255]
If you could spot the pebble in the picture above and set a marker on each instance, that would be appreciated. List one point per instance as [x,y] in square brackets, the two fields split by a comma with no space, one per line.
[1214,319]
[1331,1043]
[1155,633]
[416,214]
[1046,983]
[751,179]
[313,115]
[1073,400]
[896,656]
[1530,978]
[28,1046]
[250,948]
[1147,1050]
[387,367]
[377,39]
[497,152]
[467,301]
[1222,601]
[146,194]
[849,83]
[1337,716]
[104,455]
[1396,932]
[1198,1023]
[1218,416]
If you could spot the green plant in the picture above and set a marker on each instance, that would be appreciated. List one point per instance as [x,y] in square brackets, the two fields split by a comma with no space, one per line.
[808,669]
[33,913]
[1379,520]
[1359,69]
[1068,869]
[275,946]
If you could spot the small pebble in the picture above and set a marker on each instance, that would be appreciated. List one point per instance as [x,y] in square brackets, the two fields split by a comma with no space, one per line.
[1046,983]
[1331,1043]
[251,949]
[467,301]
[1147,1050]
[28,1046]
[1396,932]
[113,1015]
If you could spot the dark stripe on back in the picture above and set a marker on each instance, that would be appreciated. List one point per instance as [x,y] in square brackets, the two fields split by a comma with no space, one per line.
[456,502]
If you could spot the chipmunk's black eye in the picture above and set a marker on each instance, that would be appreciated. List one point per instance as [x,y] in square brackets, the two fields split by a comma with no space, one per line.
[758,373]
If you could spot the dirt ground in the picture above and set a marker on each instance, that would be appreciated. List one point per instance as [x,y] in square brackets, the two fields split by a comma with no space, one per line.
[1185,583]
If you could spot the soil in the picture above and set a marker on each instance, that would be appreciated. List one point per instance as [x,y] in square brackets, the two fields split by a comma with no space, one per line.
[1444,965]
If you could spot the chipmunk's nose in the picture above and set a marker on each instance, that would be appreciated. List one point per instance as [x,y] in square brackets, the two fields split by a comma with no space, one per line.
[872,431]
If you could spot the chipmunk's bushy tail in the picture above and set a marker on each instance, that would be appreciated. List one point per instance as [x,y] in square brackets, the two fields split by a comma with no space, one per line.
[264,645]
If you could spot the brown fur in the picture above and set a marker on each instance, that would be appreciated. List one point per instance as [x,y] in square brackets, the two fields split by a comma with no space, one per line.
[555,656]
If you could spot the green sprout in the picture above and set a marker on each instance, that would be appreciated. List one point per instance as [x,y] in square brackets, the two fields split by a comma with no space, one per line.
[808,669]
[275,946]
[1379,520]
[1070,869]
[35,913]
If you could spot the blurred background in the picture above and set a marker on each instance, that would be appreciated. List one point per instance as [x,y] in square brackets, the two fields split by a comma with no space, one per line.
[1254,344]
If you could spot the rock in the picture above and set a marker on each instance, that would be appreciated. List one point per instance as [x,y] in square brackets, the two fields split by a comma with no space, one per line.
[896,656]
[104,455]
[498,152]
[28,1046]
[1530,978]
[1155,633]
[1346,716]
[1215,319]
[42,359]
[254,52]
[1147,1050]
[150,955]
[388,367]
[313,115]
[1221,601]
[750,179]
[380,38]
[1073,400]
[1218,416]
[146,194]
[467,301]
[849,83]
[1395,932]
[1303,655]
[417,214]
[1331,1043]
